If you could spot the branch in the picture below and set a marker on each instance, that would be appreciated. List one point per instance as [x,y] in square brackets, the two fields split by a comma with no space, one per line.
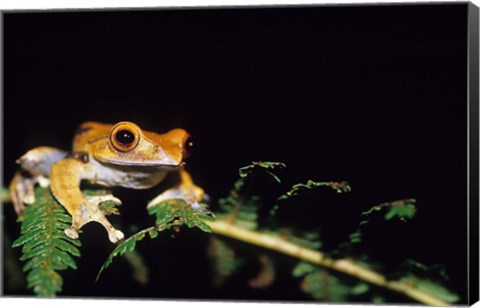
[346,266]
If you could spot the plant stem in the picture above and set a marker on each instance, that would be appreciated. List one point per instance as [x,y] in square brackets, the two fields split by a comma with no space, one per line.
[346,266]
[5,195]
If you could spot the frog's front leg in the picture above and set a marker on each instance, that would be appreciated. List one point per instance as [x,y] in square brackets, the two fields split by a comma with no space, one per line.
[186,190]
[65,177]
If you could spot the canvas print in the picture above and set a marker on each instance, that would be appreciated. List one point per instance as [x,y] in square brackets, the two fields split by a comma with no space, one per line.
[313,154]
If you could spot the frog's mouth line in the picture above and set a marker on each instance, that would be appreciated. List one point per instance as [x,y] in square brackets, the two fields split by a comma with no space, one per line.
[144,164]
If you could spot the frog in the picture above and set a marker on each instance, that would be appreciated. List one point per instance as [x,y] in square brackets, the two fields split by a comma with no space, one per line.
[109,155]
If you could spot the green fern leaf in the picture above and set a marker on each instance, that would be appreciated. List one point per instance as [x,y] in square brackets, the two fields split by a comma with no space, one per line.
[321,285]
[339,187]
[45,247]
[225,262]
[139,268]
[240,210]
[306,239]
[179,212]
[265,165]
[124,246]
[303,268]
[168,214]
[431,287]
[403,210]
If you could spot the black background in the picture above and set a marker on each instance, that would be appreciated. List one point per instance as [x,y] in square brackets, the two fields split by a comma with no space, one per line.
[374,95]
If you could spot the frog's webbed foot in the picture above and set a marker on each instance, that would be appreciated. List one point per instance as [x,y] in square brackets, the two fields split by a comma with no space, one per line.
[91,212]
[88,212]
[65,186]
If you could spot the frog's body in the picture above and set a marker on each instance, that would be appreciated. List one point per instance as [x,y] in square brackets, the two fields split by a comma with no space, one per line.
[108,155]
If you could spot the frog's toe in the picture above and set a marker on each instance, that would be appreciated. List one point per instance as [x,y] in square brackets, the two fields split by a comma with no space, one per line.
[43,181]
[172,193]
[29,194]
[103,198]
[116,200]
[29,198]
[197,206]
[180,193]
[71,233]
[115,236]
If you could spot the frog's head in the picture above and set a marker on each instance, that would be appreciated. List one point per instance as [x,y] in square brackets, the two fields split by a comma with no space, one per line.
[128,145]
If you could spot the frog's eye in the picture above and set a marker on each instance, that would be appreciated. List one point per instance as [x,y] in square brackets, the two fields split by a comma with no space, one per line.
[188,147]
[124,137]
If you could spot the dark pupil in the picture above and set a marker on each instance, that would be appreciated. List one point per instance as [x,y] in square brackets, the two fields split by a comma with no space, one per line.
[125,137]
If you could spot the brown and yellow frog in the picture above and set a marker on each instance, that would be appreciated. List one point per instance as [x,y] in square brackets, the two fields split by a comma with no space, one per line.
[109,155]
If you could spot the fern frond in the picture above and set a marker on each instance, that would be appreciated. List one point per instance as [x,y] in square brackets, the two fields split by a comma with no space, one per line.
[436,271]
[265,166]
[168,214]
[321,285]
[178,212]
[320,269]
[402,209]
[139,268]
[241,208]
[225,262]
[45,247]
[127,245]
[306,239]
[430,287]
[339,187]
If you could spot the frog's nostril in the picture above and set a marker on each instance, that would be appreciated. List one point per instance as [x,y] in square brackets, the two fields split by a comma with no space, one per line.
[188,147]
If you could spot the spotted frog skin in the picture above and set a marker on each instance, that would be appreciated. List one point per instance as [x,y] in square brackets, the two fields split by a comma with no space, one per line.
[109,155]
